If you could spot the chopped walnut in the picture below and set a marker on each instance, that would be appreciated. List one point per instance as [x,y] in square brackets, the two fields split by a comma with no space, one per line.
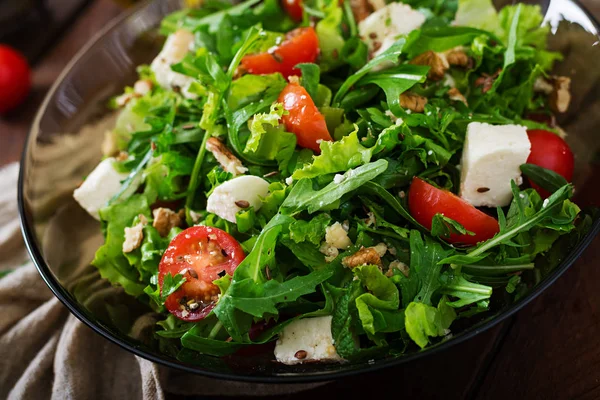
[361,9]
[364,256]
[560,98]
[458,57]
[228,161]
[558,90]
[436,61]
[413,102]
[165,220]
[331,252]
[399,265]
[486,81]
[134,236]
[456,95]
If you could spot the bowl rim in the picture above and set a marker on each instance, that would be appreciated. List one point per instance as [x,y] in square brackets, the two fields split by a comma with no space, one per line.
[62,294]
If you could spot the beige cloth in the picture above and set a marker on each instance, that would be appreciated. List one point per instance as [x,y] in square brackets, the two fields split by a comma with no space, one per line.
[45,352]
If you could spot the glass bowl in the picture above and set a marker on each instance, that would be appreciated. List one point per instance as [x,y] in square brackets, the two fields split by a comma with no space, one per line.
[64,145]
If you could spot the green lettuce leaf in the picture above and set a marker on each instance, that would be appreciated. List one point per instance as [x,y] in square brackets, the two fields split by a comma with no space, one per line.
[424,321]
[336,157]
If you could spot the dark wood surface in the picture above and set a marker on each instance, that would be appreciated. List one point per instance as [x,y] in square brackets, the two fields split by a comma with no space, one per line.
[549,350]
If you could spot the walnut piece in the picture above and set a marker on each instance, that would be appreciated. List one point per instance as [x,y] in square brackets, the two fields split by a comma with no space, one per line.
[486,81]
[361,9]
[436,61]
[456,95]
[364,256]
[165,220]
[560,98]
[228,161]
[458,57]
[400,266]
[413,102]
[133,237]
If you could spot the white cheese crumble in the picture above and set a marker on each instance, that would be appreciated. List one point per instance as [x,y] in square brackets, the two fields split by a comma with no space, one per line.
[492,156]
[245,188]
[307,340]
[383,27]
[176,47]
[99,187]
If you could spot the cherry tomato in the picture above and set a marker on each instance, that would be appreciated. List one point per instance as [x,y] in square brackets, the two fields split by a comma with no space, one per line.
[201,254]
[425,200]
[550,151]
[294,9]
[304,118]
[300,46]
[15,80]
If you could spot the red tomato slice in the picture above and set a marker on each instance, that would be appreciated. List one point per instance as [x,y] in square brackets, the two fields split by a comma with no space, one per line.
[425,200]
[304,118]
[550,151]
[300,46]
[294,9]
[15,80]
[200,253]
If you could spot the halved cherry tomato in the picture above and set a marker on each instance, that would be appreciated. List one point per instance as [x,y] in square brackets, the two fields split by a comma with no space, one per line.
[425,200]
[294,9]
[550,151]
[304,118]
[300,46]
[201,254]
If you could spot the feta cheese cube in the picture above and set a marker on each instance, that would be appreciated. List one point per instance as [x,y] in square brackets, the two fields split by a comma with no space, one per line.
[307,340]
[383,27]
[99,187]
[246,190]
[491,158]
[176,47]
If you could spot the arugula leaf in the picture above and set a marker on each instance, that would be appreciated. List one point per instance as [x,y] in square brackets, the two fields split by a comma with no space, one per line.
[440,39]
[193,340]
[258,300]
[342,322]
[390,55]
[304,197]
[336,157]
[443,227]
[310,78]
[396,81]
[456,285]
[425,265]
[170,285]
[546,178]
[424,321]
[548,214]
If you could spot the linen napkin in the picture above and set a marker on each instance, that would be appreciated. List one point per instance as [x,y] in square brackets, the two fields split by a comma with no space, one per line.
[47,353]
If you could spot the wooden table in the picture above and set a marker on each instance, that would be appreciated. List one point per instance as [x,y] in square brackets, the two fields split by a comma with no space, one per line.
[548,350]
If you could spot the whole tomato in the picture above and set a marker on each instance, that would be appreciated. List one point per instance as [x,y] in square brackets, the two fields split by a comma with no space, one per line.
[15,78]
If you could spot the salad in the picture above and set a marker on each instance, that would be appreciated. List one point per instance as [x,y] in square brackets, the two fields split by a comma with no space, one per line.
[340,179]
